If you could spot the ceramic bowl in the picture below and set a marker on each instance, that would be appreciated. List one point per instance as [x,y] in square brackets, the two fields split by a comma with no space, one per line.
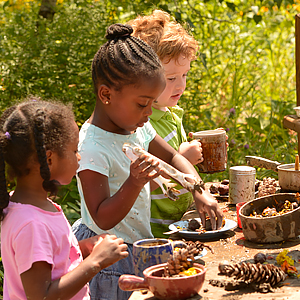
[272,229]
[173,288]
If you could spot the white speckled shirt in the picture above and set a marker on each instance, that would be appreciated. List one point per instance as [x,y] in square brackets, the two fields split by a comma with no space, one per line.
[101,152]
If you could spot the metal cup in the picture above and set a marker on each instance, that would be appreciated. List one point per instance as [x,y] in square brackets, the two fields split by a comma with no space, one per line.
[241,184]
[213,149]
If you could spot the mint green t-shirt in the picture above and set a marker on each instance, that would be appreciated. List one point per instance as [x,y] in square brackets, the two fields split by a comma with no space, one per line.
[164,211]
[101,151]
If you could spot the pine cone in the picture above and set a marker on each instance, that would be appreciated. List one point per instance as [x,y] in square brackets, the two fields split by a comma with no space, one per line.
[267,187]
[197,247]
[254,273]
[179,262]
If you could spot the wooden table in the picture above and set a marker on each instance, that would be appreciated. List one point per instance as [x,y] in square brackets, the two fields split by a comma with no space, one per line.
[233,248]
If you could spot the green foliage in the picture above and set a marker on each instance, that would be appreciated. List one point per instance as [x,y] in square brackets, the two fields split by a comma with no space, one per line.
[68,198]
[243,80]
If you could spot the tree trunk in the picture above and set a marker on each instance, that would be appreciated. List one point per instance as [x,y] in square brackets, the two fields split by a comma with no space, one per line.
[47,9]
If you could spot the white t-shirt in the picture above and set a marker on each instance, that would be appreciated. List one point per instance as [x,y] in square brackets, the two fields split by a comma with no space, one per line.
[101,152]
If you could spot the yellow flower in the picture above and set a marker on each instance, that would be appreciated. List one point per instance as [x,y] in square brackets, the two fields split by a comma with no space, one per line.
[282,257]
[264,9]
[189,272]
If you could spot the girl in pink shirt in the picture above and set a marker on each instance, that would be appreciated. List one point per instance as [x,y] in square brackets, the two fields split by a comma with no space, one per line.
[42,259]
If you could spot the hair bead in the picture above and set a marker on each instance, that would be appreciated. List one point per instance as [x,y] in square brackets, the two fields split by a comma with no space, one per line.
[7,134]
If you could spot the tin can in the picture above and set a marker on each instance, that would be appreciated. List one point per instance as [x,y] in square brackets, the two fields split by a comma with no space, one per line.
[213,150]
[241,184]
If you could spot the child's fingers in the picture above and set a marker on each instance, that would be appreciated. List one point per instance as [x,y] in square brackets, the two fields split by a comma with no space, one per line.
[196,142]
[146,165]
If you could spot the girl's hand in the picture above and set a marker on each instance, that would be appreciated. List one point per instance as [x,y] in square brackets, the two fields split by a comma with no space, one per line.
[207,204]
[109,250]
[87,245]
[192,151]
[144,169]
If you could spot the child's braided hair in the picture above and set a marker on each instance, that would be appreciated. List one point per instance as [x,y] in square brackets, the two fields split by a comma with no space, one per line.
[27,131]
[123,59]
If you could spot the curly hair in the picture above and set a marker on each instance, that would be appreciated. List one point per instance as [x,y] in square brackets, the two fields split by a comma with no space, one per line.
[168,38]
[123,59]
[28,130]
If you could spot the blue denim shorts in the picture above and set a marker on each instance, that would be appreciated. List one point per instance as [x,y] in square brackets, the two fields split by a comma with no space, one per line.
[104,286]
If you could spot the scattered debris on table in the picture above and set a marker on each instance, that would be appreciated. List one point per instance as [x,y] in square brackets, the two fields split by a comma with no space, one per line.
[267,186]
[220,189]
[198,246]
[260,258]
[195,225]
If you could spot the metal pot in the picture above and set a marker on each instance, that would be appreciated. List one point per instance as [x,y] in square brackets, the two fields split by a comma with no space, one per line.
[288,177]
[173,288]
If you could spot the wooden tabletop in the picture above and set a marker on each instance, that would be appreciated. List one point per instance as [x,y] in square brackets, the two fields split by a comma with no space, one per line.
[233,248]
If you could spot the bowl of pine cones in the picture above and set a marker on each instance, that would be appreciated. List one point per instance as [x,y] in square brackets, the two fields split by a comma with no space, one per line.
[180,278]
[271,219]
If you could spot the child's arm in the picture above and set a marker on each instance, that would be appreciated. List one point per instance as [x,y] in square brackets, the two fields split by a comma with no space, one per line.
[192,151]
[205,202]
[107,211]
[37,281]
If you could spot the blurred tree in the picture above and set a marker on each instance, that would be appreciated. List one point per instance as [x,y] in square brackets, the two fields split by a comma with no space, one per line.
[47,9]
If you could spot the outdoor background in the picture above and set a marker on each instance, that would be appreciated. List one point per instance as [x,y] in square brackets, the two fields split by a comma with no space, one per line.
[243,80]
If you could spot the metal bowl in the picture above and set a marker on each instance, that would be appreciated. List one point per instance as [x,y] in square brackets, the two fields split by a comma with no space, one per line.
[297,109]
[270,229]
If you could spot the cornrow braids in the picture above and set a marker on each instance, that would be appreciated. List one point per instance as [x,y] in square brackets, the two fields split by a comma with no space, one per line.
[27,131]
[4,196]
[39,124]
[123,59]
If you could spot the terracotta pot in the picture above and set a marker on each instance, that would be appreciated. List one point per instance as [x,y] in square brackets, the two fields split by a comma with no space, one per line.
[177,288]
[270,229]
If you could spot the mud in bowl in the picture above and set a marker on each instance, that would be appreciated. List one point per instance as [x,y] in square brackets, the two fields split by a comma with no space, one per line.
[150,252]
[213,149]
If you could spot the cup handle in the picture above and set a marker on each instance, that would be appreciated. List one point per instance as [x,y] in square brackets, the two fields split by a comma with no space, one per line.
[132,283]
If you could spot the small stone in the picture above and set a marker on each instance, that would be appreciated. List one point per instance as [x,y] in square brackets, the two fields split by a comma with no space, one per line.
[260,258]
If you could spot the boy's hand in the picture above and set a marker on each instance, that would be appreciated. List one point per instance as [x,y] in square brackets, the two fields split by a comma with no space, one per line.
[227,145]
[192,151]
[109,250]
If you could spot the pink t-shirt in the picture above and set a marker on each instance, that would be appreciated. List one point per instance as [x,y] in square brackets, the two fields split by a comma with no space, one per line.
[30,234]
